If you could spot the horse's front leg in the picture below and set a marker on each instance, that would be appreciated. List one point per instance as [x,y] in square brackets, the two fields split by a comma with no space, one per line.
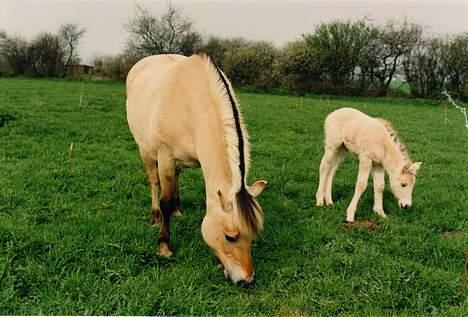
[168,203]
[365,166]
[378,174]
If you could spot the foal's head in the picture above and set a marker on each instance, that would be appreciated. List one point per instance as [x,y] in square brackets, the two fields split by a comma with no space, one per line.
[230,229]
[402,183]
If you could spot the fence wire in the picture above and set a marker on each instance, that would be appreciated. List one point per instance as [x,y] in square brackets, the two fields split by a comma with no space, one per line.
[462,109]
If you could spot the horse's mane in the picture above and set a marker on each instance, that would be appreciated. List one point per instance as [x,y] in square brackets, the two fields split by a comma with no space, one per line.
[394,136]
[237,146]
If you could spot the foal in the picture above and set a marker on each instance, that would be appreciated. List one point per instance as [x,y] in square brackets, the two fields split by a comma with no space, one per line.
[375,142]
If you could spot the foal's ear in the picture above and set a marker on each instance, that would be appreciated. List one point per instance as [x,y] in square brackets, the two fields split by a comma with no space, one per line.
[415,167]
[227,206]
[257,188]
[411,168]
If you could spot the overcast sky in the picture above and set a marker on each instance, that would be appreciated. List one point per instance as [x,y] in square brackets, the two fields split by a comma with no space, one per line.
[278,21]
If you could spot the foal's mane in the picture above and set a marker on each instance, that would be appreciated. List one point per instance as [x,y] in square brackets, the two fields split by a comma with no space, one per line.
[394,136]
[237,146]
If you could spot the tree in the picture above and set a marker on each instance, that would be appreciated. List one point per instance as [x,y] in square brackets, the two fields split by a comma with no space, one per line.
[169,33]
[424,68]
[339,45]
[456,63]
[14,52]
[396,39]
[46,55]
[70,35]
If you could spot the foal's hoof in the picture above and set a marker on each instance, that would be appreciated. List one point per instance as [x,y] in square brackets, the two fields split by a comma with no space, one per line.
[381,213]
[156,217]
[319,202]
[165,251]
[329,203]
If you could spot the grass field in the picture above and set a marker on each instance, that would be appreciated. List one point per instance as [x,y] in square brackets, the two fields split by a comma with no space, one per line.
[75,238]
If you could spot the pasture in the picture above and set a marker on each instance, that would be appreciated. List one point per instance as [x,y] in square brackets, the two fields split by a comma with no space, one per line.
[75,234]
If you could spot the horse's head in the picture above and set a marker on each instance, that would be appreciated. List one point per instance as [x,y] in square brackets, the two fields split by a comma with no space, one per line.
[402,183]
[230,235]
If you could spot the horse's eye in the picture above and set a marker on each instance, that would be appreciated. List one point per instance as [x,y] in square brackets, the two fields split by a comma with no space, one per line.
[231,239]
[403,184]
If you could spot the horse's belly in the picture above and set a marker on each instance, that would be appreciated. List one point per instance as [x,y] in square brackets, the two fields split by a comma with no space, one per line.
[187,163]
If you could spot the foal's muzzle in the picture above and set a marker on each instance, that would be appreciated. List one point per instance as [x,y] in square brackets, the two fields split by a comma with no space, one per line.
[404,204]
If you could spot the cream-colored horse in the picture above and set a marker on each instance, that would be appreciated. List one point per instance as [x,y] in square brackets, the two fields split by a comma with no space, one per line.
[182,112]
[375,142]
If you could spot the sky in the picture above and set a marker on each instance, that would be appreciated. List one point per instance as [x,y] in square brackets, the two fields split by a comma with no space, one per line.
[278,21]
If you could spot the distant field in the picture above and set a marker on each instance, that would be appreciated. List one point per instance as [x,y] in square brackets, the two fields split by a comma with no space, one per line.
[76,238]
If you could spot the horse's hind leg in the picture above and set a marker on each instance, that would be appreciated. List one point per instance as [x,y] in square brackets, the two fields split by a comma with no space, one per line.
[378,175]
[336,160]
[325,166]
[365,165]
[153,179]
[177,212]
[167,176]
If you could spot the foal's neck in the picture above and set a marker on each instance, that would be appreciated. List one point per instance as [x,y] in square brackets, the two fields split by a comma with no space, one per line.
[393,159]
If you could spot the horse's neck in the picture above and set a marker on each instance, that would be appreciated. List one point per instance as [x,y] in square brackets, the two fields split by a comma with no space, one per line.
[393,159]
[215,166]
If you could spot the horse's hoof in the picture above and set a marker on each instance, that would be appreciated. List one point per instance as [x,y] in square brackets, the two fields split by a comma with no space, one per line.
[329,203]
[164,251]
[156,217]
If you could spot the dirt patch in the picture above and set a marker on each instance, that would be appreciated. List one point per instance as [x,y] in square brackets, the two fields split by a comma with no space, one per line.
[454,234]
[361,224]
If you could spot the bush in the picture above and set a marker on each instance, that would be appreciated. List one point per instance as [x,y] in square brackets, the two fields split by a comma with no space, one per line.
[298,67]
[113,67]
[252,65]
[217,47]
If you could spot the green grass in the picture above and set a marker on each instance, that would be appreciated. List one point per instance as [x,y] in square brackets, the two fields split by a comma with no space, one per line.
[79,241]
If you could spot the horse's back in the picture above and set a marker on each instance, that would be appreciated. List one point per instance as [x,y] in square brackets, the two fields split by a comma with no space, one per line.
[162,91]
[147,73]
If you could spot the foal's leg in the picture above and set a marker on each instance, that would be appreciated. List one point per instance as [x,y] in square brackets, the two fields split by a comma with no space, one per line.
[378,174]
[365,165]
[324,170]
[338,157]
[167,171]
[153,179]
[177,212]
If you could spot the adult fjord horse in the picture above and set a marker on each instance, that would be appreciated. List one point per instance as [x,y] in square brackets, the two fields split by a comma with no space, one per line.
[182,112]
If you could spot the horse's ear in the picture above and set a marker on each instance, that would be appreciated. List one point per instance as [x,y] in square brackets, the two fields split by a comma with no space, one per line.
[257,188]
[227,206]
